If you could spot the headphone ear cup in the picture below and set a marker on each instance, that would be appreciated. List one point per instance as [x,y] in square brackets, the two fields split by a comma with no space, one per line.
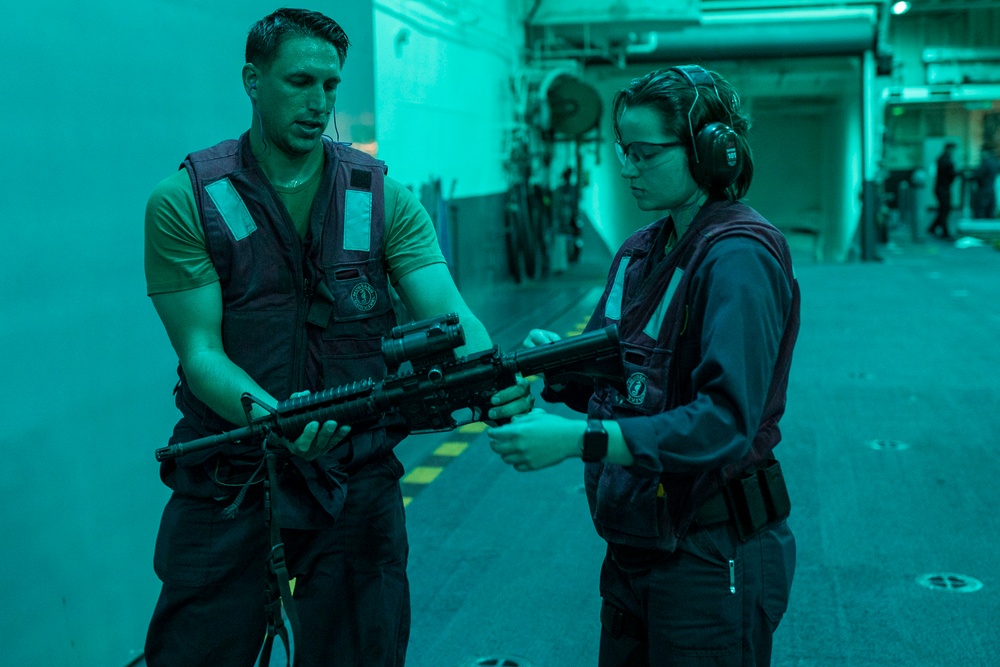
[719,162]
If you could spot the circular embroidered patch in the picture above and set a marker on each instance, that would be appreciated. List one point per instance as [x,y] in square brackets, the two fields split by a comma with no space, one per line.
[636,386]
[364,296]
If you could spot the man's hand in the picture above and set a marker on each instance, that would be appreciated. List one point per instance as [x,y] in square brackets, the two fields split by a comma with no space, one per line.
[537,440]
[514,400]
[315,440]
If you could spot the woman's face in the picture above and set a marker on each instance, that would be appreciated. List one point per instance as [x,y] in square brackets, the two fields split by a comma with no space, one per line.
[658,175]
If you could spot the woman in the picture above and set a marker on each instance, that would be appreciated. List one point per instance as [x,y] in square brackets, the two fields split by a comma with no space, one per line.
[679,473]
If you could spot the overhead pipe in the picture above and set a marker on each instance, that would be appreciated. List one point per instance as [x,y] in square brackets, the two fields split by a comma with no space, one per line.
[759,34]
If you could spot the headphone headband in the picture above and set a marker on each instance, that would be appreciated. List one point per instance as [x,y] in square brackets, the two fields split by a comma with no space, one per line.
[696,75]
[717,161]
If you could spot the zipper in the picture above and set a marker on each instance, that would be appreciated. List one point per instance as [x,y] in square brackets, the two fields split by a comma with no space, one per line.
[302,340]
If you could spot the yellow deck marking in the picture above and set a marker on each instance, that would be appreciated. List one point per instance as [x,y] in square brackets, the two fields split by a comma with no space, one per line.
[406,500]
[423,475]
[474,427]
[451,449]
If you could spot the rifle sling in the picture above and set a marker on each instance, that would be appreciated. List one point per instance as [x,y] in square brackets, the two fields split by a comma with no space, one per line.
[279,591]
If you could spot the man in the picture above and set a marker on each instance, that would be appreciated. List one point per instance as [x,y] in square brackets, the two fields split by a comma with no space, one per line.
[985,176]
[269,260]
[942,190]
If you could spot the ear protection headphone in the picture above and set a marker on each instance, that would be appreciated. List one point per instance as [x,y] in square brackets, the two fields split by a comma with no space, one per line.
[717,162]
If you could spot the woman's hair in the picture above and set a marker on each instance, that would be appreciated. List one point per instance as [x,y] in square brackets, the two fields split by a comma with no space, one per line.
[669,93]
[267,35]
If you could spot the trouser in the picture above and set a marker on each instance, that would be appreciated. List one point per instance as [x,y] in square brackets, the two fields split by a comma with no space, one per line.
[985,203]
[714,602]
[351,590]
[944,210]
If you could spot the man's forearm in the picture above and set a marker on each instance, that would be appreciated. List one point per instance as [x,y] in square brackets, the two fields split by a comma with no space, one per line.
[219,384]
[476,336]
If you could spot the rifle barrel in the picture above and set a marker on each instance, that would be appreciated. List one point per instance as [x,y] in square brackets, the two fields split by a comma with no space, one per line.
[181,448]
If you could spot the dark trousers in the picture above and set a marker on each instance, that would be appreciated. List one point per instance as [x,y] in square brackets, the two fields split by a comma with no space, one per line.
[351,590]
[984,203]
[944,210]
[694,608]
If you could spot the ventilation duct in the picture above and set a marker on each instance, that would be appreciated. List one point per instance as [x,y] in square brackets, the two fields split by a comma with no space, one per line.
[608,22]
[743,34]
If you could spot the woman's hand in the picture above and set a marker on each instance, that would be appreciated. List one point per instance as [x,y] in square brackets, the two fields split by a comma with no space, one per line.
[538,337]
[537,440]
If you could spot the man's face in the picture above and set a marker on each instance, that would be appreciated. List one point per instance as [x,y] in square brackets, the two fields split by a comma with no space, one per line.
[296,94]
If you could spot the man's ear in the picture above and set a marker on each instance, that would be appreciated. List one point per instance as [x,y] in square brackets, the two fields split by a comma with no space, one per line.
[250,80]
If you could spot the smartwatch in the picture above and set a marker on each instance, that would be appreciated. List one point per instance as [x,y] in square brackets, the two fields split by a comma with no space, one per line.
[595,442]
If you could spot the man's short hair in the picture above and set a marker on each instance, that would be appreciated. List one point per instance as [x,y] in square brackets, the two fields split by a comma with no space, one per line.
[267,35]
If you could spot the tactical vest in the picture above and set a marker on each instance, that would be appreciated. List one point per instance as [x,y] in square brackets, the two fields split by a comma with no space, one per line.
[297,313]
[651,309]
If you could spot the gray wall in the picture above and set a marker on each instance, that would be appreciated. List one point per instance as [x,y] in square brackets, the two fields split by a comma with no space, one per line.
[100,101]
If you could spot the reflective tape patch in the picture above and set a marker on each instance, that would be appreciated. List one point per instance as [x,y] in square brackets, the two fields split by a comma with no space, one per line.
[613,306]
[652,328]
[358,221]
[232,208]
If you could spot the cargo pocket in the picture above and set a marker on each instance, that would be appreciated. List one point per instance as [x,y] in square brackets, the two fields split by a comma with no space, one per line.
[196,546]
[777,546]
[700,616]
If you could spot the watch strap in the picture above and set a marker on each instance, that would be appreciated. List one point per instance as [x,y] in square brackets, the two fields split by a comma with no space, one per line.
[595,442]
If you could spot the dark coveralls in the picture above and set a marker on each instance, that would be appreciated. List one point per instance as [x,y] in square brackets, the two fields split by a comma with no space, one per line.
[985,175]
[942,191]
[297,313]
[708,332]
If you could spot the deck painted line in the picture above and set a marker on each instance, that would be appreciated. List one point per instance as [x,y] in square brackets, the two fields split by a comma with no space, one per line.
[451,449]
[423,475]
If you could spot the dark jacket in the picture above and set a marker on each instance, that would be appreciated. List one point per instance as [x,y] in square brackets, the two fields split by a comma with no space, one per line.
[945,172]
[708,331]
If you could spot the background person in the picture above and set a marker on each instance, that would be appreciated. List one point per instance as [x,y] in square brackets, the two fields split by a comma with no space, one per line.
[985,177]
[943,179]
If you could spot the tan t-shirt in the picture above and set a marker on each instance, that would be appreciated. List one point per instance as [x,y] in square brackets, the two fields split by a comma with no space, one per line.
[177,258]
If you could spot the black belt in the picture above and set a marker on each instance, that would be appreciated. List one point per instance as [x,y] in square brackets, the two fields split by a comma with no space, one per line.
[749,502]
[621,623]
[713,511]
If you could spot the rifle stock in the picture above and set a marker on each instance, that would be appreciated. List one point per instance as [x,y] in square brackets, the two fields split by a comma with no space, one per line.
[427,396]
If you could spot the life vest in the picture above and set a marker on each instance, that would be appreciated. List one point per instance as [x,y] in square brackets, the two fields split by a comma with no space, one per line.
[651,309]
[297,313]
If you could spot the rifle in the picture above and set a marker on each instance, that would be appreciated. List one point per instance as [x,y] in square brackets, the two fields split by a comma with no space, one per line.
[429,392]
